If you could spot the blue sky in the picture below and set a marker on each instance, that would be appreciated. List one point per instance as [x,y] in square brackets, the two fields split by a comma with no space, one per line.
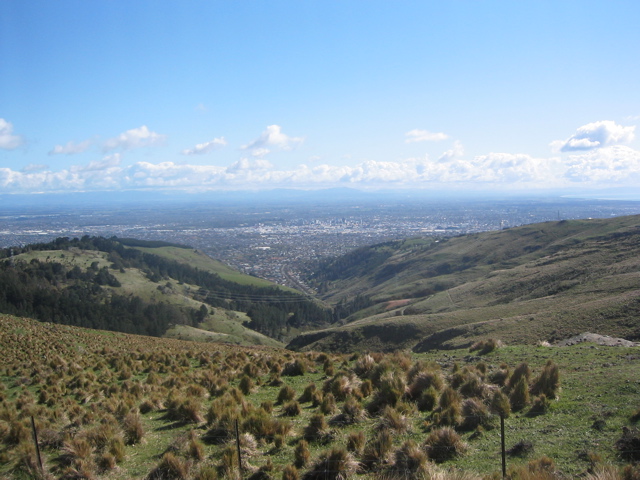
[451,95]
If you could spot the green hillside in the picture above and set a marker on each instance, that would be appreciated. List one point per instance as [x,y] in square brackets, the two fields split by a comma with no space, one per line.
[149,288]
[540,282]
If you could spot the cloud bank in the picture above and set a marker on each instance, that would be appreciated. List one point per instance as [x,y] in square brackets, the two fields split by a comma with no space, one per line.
[596,158]
[595,135]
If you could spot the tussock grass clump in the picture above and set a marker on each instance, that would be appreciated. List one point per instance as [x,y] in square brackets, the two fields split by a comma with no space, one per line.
[391,419]
[500,376]
[133,428]
[246,385]
[377,450]
[543,468]
[171,467]
[317,430]
[187,410]
[364,365]
[296,368]
[355,442]
[291,409]
[352,412]
[485,346]
[336,464]
[392,387]
[286,394]
[409,461]
[540,406]
[424,381]
[449,411]
[307,394]
[290,472]
[428,399]
[302,454]
[548,382]
[522,371]
[519,396]
[342,385]
[444,444]
[328,404]
[475,414]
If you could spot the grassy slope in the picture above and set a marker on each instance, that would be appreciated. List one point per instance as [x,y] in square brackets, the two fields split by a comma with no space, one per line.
[220,325]
[537,282]
[598,384]
[206,263]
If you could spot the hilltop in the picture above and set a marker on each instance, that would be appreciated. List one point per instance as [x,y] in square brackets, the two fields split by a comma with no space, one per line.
[149,288]
[539,282]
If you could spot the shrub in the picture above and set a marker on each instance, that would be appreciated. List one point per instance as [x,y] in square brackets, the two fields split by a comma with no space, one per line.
[475,414]
[133,429]
[391,419]
[352,412]
[355,442]
[473,386]
[391,390]
[317,430]
[296,368]
[302,454]
[307,394]
[337,464]
[291,409]
[246,385]
[290,472]
[444,444]
[170,467]
[485,346]
[540,406]
[548,382]
[519,397]
[377,450]
[428,399]
[328,404]
[286,394]
[410,461]
[522,371]
[500,404]
[207,472]
[424,381]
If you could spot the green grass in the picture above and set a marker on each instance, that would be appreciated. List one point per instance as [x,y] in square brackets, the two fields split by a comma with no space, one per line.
[600,391]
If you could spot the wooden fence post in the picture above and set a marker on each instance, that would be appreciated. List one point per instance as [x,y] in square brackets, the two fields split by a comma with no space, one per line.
[35,440]
[504,453]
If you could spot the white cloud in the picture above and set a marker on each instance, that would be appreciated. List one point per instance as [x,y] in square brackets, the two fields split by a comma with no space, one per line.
[206,147]
[424,136]
[108,162]
[134,138]
[8,141]
[615,164]
[595,135]
[456,152]
[274,137]
[70,148]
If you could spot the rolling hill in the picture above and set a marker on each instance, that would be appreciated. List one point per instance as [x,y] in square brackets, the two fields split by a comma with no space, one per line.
[539,282]
[149,288]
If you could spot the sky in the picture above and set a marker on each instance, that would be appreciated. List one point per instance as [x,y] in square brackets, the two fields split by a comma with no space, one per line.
[440,96]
